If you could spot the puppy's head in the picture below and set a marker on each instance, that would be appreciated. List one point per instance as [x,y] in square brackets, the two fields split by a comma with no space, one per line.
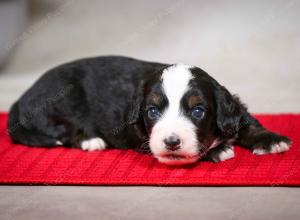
[185,113]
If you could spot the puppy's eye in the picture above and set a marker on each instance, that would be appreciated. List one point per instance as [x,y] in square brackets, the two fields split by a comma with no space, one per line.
[153,112]
[197,112]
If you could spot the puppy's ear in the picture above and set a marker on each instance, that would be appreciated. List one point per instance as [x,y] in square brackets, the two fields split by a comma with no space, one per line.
[136,127]
[228,113]
[134,110]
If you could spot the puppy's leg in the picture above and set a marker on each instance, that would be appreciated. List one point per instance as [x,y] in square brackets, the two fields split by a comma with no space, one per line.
[80,135]
[259,140]
[84,141]
[220,153]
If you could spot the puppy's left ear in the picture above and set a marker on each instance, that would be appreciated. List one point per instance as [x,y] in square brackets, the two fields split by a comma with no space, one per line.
[229,112]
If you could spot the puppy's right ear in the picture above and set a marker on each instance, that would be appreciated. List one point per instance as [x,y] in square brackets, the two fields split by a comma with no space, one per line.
[136,128]
[134,110]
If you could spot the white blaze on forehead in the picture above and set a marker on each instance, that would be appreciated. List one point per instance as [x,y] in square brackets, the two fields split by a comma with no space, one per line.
[175,82]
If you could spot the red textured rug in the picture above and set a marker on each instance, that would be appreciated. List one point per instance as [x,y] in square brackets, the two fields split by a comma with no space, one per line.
[61,166]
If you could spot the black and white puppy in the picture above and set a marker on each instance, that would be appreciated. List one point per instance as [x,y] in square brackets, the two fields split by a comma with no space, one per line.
[177,112]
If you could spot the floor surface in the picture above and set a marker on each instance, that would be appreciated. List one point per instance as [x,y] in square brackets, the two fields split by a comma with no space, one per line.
[75,202]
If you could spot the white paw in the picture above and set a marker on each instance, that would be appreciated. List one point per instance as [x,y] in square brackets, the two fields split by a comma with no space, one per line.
[281,147]
[275,148]
[226,154]
[93,144]
[58,143]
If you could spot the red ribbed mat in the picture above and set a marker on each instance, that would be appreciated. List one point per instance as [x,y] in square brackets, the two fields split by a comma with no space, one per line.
[61,166]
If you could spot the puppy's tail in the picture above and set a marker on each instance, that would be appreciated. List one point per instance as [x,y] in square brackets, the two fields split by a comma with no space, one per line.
[22,135]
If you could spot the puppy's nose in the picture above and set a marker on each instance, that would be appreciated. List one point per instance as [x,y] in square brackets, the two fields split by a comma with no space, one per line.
[172,142]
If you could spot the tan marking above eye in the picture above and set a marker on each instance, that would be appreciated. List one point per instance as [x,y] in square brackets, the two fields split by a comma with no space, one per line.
[193,100]
[155,99]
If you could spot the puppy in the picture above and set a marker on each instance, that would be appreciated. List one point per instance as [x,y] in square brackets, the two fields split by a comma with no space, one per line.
[177,112]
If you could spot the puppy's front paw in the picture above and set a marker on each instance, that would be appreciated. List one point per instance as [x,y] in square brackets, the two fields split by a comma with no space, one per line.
[221,153]
[93,144]
[272,144]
